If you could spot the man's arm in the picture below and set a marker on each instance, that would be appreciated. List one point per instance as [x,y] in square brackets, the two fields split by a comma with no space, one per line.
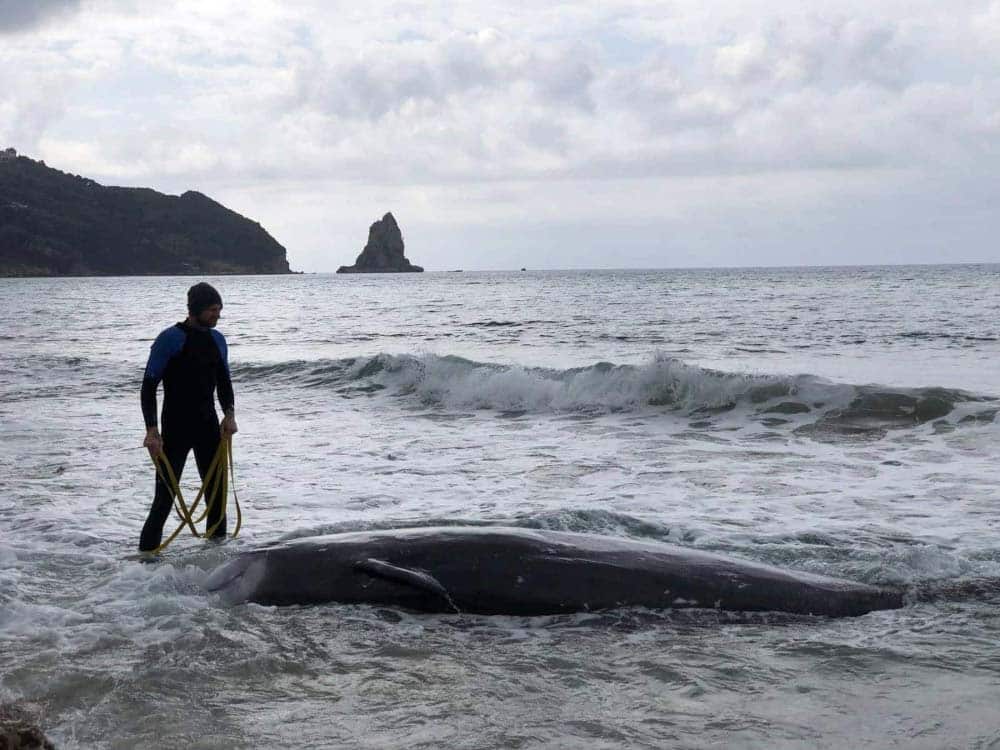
[224,384]
[153,442]
[166,345]
[147,397]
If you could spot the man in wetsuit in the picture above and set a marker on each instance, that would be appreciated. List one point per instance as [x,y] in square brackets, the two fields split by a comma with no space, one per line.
[192,360]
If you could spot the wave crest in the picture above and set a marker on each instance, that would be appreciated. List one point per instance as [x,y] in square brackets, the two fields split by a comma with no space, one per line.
[665,382]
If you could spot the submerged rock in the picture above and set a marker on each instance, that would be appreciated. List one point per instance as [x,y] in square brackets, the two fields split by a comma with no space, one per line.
[384,251]
[788,407]
[18,730]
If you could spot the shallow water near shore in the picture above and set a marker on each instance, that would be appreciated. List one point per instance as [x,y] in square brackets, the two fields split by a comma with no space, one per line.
[838,421]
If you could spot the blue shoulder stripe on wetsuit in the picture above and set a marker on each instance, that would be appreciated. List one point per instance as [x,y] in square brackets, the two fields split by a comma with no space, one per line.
[220,341]
[168,344]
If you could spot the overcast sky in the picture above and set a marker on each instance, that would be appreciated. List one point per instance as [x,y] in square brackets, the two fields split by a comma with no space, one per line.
[613,133]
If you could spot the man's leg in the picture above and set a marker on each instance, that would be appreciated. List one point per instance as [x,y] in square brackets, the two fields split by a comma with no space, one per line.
[205,446]
[175,447]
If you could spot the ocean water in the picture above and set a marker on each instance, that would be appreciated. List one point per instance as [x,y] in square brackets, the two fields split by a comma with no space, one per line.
[840,421]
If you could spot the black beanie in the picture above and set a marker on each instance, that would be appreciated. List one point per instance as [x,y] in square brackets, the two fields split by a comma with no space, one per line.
[201,297]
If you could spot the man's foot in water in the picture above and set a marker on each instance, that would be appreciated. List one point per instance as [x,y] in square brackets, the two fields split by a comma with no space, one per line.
[148,556]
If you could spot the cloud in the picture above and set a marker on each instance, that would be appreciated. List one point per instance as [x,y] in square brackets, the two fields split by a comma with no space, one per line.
[471,93]
[383,78]
[447,102]
[21,15]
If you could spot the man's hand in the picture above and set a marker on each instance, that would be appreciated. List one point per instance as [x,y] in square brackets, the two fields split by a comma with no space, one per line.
[153,442]
[228,425]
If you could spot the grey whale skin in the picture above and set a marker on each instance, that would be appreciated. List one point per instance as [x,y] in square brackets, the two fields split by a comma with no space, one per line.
[516,571]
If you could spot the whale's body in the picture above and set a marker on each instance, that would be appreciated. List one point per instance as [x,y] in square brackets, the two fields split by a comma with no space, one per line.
[497,570]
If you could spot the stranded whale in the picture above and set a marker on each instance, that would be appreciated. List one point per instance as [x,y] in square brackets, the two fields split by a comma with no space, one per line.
[497,570]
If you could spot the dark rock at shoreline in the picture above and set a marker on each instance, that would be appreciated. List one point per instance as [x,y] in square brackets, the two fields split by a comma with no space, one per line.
[384,251]
[18,730]
[58,224]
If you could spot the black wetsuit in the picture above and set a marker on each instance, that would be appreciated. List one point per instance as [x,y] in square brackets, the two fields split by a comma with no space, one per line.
[192,362]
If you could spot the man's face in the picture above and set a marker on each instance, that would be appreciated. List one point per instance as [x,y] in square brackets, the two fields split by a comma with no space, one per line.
[209,317]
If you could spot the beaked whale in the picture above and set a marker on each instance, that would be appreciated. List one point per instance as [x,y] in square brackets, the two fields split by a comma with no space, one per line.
[516,571]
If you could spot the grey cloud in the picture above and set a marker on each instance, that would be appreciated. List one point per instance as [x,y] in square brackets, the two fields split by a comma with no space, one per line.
[464,65]
[823,52]
[546,134]
[387,78]
[374,87]
[35,110]
[23,15]
[778,97]
[822,95]
[563,75]
[875,54]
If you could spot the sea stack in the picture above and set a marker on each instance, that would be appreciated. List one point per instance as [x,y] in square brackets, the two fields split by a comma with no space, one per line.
[384,251]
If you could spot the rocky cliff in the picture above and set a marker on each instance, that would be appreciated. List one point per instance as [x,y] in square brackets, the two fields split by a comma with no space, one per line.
[384,251]
[58,224]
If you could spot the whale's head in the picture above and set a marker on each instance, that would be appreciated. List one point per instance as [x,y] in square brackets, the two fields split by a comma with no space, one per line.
[237,580]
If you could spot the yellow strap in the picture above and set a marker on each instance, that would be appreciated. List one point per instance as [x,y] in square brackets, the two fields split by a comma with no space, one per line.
[170,480]
[210,484]
[220,489]
[214,485]
[183,512]
[236,499]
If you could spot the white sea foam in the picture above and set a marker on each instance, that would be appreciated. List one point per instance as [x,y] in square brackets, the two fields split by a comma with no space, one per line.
[459,383]
[664,383]
[10,573]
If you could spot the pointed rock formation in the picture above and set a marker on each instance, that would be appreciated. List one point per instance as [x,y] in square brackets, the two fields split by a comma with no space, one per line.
[384,251]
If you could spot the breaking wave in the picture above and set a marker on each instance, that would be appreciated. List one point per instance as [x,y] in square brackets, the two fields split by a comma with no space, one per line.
[817,405]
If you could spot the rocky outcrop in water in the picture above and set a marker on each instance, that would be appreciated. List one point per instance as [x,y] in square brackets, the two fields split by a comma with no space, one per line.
[18,730]
[58,224]
[384,251]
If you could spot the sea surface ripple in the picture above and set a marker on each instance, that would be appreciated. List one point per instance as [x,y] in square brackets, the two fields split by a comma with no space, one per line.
[839,420]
